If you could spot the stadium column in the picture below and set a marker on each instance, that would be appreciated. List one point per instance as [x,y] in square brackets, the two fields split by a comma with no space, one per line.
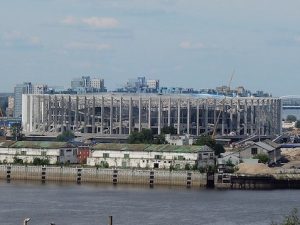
[178,116]
[245,117]
[206,116]
[231,116]
[55,113]
[149,113]
[102,114]
[238,117]
[49,113]
[76,113]
[140,114]
[159,117]
[85,115]
[31,113]
[120,119]
[279,116]
[223,117]
[188,116]
[62,114]
[197,118]
[169,113]
[130,115]
[252,117]
[94,116]
[69,113]
[111,110]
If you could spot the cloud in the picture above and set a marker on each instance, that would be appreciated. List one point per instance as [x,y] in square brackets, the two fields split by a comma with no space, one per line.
[16,38]
[92,22]
[87,46]
[69,20]
[105,22]
[190,45]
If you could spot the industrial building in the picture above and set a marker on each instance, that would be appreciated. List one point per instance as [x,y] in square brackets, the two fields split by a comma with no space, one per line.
[121,114]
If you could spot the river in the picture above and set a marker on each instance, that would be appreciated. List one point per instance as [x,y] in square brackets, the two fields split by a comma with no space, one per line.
[86,204]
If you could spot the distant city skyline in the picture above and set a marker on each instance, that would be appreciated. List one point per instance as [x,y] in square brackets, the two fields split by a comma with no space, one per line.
[193,44]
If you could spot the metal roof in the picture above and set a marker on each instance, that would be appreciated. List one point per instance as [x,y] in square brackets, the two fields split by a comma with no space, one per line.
[41,144]
[151,148]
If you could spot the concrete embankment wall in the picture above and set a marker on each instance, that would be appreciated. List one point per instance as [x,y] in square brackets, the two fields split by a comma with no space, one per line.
[94,175]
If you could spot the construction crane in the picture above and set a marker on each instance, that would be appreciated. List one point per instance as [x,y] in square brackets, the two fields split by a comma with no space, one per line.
[223,101]
[1,113]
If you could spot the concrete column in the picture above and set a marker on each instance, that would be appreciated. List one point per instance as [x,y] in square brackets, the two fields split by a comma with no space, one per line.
[39,117]
[231,116]
[258,120]
[149,113]
[102,115]
[120,119]
[62,114]
[246,117]
[130,115]
[178,117]
[197,119]
[169,113]
[252,117]
[279,116]
[188,116]
[140,114]
[215,112]
[31,113]
[55,113]
[223,118]
[76,113]
[69,113]
[111,122]
[94,115]
[159,117]
[49,112]
[85,116]
[206,116]
[238,118]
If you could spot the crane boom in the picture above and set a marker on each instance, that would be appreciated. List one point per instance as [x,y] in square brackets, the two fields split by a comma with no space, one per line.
[218,118]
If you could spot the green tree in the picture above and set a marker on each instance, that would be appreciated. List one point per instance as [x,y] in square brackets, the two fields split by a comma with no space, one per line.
[206,140]
[66,136]
[291,219]
[40,162]
[143,137]
[16,131]
[210,142]
[297,125]
[262,158]
[291,118]
[168,130]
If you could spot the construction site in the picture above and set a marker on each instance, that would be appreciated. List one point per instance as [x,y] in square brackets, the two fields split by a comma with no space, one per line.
[120,114]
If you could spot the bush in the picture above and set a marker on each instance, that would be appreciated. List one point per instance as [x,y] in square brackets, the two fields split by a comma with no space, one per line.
[66,136]
[187,166]
[291,219]
[17,160]
[262,158]
[40,162]
[291,118]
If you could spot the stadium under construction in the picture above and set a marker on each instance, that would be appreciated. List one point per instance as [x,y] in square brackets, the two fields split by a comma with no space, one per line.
[121,114]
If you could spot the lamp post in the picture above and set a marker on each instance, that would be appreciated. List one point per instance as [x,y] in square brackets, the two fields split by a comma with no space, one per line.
[26,221]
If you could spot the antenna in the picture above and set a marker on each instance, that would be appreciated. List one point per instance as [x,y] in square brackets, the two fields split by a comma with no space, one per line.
[223,101]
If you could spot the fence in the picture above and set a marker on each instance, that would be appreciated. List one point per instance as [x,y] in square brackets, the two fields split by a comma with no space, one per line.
[94,175]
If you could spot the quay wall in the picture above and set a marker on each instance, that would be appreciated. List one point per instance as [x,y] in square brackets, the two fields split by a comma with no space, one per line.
[94,175]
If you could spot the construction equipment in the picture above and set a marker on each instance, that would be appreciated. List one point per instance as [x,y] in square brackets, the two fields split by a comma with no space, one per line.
[223,101]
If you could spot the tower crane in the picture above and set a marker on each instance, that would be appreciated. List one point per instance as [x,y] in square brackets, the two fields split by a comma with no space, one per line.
[223,101]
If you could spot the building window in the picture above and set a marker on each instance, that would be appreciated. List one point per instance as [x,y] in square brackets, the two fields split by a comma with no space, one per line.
[254,151]
[43,153]
[157,157]
[180,157]
[105,155]
[126,156]
[23,152]
[211,155]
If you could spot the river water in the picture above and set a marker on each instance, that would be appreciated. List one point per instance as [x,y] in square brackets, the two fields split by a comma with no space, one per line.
[86,204]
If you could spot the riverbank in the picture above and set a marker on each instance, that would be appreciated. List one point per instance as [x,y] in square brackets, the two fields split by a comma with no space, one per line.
[99,175]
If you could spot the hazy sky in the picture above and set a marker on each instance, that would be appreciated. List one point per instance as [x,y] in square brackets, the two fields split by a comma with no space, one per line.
[188,43]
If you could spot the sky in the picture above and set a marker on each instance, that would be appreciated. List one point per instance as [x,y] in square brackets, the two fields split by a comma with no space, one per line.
[183,43]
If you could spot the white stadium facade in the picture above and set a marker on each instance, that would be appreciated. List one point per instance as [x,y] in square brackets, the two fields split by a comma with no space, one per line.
[123,113]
